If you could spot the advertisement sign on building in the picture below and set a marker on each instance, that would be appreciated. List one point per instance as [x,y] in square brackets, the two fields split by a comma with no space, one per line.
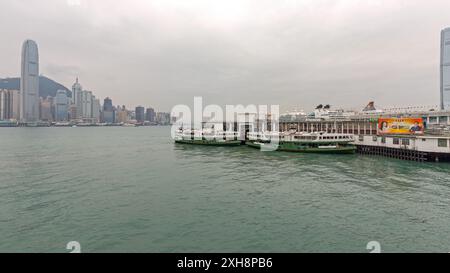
[400,126]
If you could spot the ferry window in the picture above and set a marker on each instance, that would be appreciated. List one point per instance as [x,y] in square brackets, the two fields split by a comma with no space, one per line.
[361,138]
[405,141]
[396,141]
[433,119]
[443,120]
[442,142]
[383,140]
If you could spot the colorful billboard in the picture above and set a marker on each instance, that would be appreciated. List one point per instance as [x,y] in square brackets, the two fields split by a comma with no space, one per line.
[400,126]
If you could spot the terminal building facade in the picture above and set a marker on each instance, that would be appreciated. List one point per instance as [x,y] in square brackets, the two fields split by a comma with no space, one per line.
[432,146]
[445,69]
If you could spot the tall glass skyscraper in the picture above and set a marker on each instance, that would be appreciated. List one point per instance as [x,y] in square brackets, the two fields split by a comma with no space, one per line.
[29,82]
[140,114]
[108,111]
[61,106]
[445,69]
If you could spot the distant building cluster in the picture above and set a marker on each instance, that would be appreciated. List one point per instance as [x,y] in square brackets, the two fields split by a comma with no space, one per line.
[82,107]
[25,106]
[111,114]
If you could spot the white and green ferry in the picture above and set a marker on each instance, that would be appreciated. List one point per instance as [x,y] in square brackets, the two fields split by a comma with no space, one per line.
[303,142]
[207,137]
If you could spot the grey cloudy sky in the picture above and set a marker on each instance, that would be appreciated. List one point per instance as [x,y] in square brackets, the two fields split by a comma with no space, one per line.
[293,53]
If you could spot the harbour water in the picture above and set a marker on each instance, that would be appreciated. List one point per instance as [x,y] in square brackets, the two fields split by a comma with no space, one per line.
[119,189]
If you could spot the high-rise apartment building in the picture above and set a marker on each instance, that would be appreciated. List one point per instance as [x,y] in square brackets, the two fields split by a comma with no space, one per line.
[9,104]
[86,105]
[96,109]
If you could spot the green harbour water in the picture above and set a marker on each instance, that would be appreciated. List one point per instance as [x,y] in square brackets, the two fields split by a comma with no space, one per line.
[117,189]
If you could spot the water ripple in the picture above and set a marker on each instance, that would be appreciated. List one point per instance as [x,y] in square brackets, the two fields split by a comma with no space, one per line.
[132,189]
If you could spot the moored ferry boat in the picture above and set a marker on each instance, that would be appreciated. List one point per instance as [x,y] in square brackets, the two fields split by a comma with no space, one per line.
[293,141]
[207,137]
[7,123]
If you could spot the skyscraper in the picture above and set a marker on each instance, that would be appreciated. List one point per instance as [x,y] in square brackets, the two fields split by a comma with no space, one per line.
[29,82]
[86,104]
[163,118]
[140,114]
[9,104]
[77,98]
[72,112]
[61,106]
[95,109]
[445,69]
[107,104]
[150,115]
[108,111]
[122,115]
[46,109]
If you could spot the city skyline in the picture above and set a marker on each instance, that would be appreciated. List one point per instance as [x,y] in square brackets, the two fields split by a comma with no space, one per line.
[170,51]
[85,107]
[81,108]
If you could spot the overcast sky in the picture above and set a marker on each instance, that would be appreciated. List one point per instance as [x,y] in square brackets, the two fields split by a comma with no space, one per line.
[296,53]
